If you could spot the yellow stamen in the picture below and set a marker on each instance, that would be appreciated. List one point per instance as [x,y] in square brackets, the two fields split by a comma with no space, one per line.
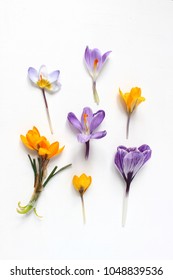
[43,83]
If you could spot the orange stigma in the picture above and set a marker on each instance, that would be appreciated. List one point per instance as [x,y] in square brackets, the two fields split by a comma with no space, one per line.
[85,116]
[95,63]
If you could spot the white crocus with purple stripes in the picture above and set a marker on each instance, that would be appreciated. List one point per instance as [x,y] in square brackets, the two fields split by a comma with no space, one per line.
[45,81]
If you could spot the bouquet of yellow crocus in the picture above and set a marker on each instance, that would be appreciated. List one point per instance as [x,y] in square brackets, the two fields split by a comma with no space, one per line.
[45,151]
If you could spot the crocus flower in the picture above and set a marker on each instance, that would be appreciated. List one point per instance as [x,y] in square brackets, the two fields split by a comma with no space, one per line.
[44,151]
[34,141]
[128,162]
[87,126]
[131,99]
[81,184]
[94,62]
[45,81]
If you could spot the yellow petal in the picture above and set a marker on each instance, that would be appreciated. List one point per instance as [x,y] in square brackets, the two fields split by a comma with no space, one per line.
[82,183]
[135,92]
[43,152]
[43,142]
[25,142]
[76,182]
[36,131]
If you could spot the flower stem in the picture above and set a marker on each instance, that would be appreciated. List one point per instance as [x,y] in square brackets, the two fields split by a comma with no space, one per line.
[125,205]
[47,111]
[127,127]
[96,97]
[83,208]
[87,144]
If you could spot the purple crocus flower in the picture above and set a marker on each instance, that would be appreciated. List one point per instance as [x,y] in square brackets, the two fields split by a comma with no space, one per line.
[45,81]
[128,162]
[87,126]
[94,62]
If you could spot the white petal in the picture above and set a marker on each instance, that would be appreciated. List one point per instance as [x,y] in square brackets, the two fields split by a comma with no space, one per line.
[33,74]
[55,87]
[43,72]
[53,77]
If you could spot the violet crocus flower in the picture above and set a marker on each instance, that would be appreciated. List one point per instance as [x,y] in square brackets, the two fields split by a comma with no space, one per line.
[94,62]
[87,126]
[128,162]
[45,81]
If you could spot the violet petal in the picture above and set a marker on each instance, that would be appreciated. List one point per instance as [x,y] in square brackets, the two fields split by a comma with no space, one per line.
[88,112]
[97,119]
[145,149]
[119,156]
[83,138]
[74,121]
[132,162]
[104,57]
[98,135]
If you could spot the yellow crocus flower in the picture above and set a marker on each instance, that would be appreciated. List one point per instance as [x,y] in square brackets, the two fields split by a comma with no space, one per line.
[131,99]
[34,141]
[81,184]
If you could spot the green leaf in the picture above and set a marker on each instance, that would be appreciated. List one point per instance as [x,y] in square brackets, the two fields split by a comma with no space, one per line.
[33,164]
[53,173]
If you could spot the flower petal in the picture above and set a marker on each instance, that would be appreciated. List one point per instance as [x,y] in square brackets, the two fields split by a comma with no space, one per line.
[86,112]
[55,87]
[87,57]
[83,138]
[96,120]
[33,74]
[43,152]
[74,121]
[119,156]
[132,162]
[145,149]
[52,77]
[25,142]
[96,54]
[105,55]
[43,72]
[98,135]
[53,149]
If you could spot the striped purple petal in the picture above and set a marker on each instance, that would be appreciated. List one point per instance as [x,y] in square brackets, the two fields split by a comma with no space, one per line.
[119,156]
[132,162]
[145,149]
